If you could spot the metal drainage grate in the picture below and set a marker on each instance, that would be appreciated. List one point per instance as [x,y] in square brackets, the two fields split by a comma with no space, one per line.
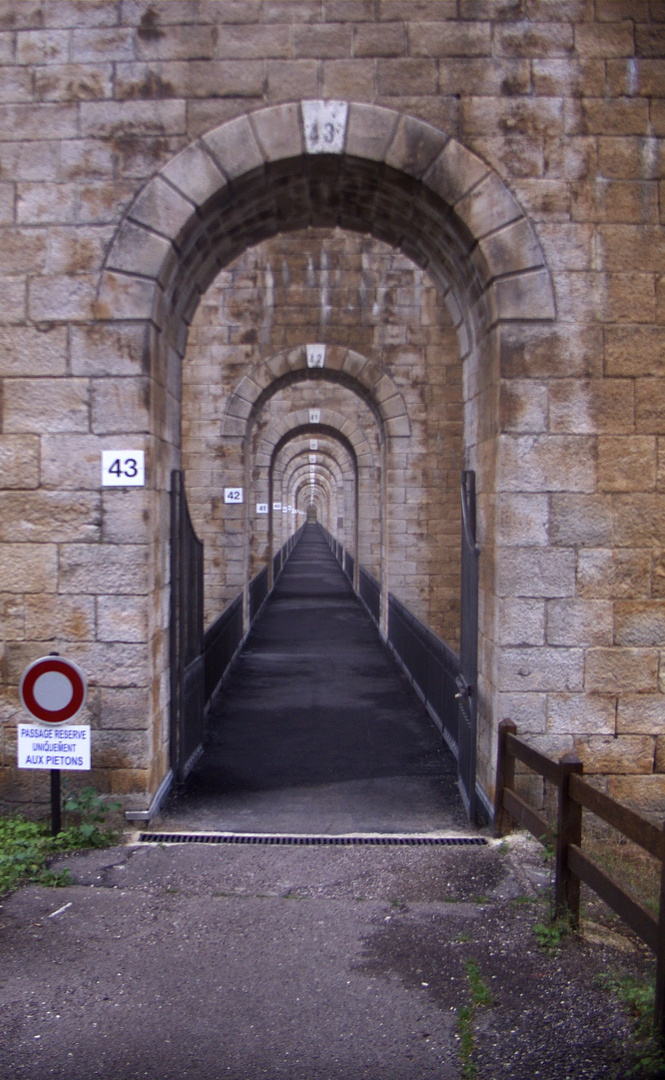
[267,840]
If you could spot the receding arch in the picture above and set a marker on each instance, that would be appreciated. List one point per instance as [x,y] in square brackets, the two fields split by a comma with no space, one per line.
[346,367]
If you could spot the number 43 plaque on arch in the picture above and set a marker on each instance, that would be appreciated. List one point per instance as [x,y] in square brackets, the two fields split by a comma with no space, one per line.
[123,468]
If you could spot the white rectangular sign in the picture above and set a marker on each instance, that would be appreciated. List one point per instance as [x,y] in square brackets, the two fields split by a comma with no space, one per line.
[314,416]
[316,355]
[123,468]
[53,747]
[233,495]
[277,506]
[262,508]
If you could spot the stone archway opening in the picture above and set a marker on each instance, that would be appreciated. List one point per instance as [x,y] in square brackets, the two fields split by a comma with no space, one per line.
[387,175]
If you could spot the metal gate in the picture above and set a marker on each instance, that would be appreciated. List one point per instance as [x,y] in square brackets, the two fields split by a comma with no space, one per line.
[467,689]
[187,662]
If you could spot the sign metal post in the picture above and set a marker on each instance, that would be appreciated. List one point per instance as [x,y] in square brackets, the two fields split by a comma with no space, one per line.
[52,691]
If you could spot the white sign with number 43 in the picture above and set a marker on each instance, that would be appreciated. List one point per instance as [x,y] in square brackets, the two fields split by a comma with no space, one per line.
[123,468]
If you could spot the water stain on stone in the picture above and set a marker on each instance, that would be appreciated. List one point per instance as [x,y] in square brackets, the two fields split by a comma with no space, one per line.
[148,28]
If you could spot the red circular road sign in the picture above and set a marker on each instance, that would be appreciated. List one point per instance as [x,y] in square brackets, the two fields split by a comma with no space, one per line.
[53,689]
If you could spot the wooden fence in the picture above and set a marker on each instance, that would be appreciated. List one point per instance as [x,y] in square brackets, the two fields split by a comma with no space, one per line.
[572,866]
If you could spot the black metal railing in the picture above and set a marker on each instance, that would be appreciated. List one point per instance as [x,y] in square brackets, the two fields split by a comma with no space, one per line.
[431,665]
[258,590]
[370,593]
[221,642]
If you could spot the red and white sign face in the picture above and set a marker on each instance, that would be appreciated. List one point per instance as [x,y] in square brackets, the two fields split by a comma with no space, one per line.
[53,690]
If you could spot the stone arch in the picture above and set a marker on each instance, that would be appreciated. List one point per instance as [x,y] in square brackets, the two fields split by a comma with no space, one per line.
[385,173]
[359,373]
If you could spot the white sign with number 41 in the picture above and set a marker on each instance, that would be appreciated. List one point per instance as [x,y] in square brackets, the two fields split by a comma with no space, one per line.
[123,468]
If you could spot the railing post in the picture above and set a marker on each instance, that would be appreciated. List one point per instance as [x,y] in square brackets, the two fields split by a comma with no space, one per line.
[659,1011]
[505,777]
[569,831]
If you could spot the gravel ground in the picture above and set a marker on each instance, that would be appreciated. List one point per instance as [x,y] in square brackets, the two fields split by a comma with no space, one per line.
[330,963]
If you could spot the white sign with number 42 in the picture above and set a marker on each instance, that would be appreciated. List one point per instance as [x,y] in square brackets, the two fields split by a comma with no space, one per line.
[123,468]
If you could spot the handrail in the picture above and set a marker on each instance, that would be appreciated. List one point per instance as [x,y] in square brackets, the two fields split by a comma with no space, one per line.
[572,865]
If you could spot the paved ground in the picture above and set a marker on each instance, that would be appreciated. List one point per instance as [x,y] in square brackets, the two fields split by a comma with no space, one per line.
[199,963]
[317,728]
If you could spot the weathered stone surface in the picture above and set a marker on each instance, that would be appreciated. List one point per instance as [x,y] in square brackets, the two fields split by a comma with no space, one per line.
[547,463]
[19,461]
[639,622]
[583,520]
[121,618]
[535,572]
[96,568]
[49,516]
[621,670]
[580,622]
[581,714]
[641,714]
[46,405]
[548,669]
[626,754]
[603,573]
[28,568]
[65,618]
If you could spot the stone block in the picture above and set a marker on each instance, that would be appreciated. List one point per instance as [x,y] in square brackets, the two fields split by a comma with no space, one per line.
[414,147]
[454,172]
[42,46]
[579,622]
[234,147]
[123,296]
[512,248]
[139,251]
[534,40]
[123,708]
[604,116]
[45,203]
[635,350]
[526,295]
[546,463]
[449,38]
[606,574]
[523,406]
[644,793]
[567,246]
[639,622]
[580,76]
[49,516]
[489,206]
[532,118]
[60,121]
[650,406]
[582,407]
[100,568]
[122,618]
[581,520]
[28,568]
[612,39]
[46,405]
[30,350]
[630,247]
[120,405]
[535,572]
[74,82]
[401,76]
[526,710]
[386,39]
[540,669]
[124,119]
[289,79]
[626,463]
[61,297]
[322,41]
[111,663]
[624,754]
[641,714]
[105,44]
[160,208]
[109,349]
[618,201]
[621,670]
[522,520]
[521,622]
[65,618]
[277,131]
[348,80]
[195,174]
[528,351]
[581,714]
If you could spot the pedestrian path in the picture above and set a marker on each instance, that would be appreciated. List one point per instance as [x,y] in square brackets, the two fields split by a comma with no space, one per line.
[317,730]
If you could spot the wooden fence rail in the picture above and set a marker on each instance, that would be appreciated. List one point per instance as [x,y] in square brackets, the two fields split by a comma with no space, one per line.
[572,866]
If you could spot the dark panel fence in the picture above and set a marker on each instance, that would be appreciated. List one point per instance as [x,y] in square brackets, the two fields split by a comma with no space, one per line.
[431,665]
[370,593]
[224,637]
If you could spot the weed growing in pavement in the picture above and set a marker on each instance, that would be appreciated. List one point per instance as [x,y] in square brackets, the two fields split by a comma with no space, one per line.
[480,995]
[637,997]
[25,846]
[549,935]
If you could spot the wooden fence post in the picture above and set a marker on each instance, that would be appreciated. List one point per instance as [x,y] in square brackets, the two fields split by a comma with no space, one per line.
[569,831]
[505,778]
[659,1011]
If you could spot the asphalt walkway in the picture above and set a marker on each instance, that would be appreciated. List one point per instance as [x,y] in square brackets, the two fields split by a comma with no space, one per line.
[317,730]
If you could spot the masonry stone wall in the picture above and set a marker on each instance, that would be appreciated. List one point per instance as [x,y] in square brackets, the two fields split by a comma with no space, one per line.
[527,187]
